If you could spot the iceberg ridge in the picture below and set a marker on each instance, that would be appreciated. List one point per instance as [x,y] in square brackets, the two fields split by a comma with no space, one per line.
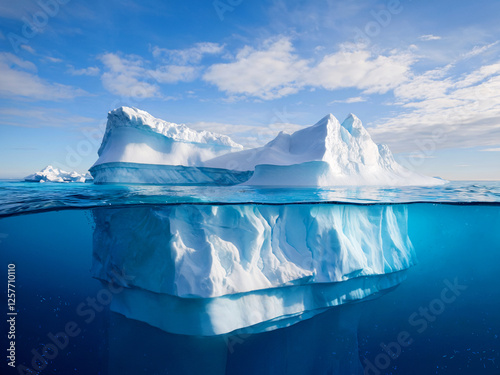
[325,154]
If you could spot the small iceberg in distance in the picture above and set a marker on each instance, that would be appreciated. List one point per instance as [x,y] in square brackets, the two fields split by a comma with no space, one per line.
[51,174]
[139,148]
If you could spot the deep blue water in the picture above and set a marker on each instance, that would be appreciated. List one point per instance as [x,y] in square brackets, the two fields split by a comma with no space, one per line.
[443,319]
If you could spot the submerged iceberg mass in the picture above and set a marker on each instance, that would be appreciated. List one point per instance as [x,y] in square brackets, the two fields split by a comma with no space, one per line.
[208,251]
[51,174]
[213,269]
[138,148]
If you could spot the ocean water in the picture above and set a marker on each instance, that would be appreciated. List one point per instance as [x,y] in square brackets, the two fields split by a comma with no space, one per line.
[444,318]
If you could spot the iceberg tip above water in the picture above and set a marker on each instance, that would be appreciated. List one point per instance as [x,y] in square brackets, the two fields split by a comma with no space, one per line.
[139,148]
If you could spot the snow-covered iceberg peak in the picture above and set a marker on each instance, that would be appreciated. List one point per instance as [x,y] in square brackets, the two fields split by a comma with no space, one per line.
[135,136]
[327,153]
[354,126]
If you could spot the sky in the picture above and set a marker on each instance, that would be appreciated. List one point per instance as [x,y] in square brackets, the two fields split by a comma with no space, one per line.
[423,76]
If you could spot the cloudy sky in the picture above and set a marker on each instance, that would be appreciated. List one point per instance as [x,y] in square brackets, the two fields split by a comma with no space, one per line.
[423,76]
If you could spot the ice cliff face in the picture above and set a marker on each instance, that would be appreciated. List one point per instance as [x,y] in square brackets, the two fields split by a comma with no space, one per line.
[134,136]
[325,154]
[51,174]
[210,251]
[229,267]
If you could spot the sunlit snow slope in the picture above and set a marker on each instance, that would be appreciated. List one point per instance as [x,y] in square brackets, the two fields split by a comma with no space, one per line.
[325,154]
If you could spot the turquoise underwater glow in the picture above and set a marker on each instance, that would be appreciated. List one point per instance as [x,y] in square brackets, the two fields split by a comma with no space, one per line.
[442,317]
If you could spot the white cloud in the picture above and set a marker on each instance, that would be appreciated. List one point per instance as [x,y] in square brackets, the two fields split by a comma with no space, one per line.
[15,62]
[495,149]
[31,50]
[28,49]
[52,59]
[360,69]
[478,75]
[192,55]
[355,99]
[428,37]
[18,78]
[276,70]
[90,71]
[127,76]
[269,73]
[463,108]
[134,76]
[477,50]
[430,84]
[174,73]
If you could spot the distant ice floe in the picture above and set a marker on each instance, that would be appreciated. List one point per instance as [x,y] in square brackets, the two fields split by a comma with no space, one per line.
[51,174]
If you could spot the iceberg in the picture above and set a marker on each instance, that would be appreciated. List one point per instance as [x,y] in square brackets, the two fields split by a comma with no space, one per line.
[198,269]
[139,148]
[51,174]
[208,269]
